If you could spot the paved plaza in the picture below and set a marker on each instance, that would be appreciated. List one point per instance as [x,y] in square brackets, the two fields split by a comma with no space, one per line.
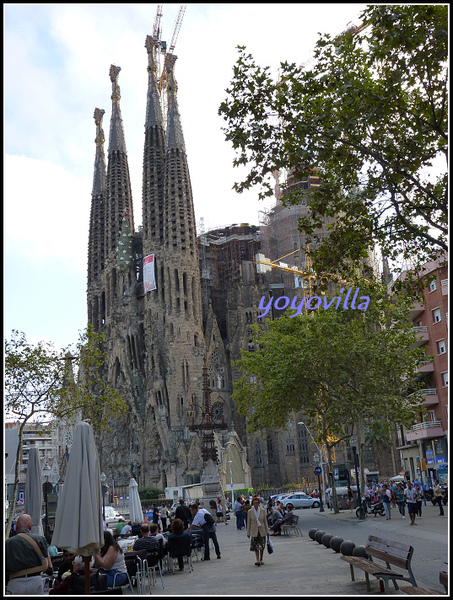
[299,566]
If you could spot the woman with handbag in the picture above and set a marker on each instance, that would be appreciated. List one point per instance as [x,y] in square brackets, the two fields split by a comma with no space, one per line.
[257,530]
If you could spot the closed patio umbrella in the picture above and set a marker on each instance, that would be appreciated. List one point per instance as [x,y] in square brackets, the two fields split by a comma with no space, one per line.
[78,521]
[135,506]
[33,491]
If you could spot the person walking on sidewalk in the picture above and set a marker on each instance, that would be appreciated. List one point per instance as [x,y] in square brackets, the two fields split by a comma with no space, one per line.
[437,491]
[386,499]
[411,498]
[399,497]
[257,530]
[418,498]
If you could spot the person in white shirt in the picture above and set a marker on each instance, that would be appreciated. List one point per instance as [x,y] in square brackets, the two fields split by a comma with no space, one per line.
[208,531]
[411,498]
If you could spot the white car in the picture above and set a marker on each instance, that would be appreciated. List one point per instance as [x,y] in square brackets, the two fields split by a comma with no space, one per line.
[111,515]
[301,500]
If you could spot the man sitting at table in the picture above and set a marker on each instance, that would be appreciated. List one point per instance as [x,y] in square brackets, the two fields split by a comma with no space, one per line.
[146,542]
[154,532]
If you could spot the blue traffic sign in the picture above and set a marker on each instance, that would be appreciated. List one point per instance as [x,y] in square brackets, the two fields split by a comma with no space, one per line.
[318,470]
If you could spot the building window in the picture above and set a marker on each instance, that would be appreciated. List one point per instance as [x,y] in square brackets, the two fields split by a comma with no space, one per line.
[441,349]
[436,315]
[290,445]
[445,378]
[270,450]
[432,285]
[258,454]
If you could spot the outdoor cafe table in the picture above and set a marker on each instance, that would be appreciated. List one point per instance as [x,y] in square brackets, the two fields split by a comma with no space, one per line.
[126,543]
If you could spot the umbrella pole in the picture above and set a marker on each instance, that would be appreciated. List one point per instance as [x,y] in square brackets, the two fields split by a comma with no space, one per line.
[86,560]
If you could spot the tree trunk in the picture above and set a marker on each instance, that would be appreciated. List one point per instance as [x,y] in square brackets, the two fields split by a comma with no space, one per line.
[12,508]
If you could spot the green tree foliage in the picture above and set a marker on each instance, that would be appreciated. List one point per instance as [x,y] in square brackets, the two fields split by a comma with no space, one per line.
[40,385]
[336,369]
[369,117]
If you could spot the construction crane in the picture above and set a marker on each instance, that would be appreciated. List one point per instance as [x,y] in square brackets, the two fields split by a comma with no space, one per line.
[169,52]
[157,35]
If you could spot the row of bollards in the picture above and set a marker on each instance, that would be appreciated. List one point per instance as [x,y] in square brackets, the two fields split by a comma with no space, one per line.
[337,544]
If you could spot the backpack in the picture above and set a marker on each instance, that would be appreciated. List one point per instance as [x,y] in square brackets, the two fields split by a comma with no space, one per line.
[208,519]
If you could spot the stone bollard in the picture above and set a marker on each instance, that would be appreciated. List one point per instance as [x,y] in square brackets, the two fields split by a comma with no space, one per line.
[325,540]
[311,533]
[318,535]
[335,543]
[347,548]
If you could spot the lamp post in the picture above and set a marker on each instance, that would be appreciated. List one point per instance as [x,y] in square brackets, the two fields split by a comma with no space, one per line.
[321,508]
[231,484]
[352,440]
[46,471]
[104,490]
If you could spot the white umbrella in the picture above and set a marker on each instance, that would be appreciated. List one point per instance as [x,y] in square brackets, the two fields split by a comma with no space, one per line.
[135,506]
[78,521]
[33,491]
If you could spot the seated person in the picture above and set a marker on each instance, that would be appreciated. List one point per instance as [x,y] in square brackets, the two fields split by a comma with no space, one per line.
[127,529]
[119,526]
[146,541]
[154,531]
[273,516]
[177,532]
[67,566]
[110,560]
[287,520]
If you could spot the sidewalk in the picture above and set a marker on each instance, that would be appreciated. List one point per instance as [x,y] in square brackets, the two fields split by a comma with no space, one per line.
[298,566]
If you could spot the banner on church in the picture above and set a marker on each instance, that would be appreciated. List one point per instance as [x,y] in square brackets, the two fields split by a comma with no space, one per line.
[149,279]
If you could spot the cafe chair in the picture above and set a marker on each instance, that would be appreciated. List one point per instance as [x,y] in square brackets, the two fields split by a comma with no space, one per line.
[180,547]
[154,563]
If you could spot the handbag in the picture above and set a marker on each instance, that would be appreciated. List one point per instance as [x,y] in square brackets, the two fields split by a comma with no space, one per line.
[270,547]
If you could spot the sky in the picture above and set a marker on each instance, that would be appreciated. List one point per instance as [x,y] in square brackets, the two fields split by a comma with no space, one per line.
[56,72]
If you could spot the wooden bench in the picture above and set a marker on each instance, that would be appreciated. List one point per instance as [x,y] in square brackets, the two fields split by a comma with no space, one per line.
[389,553]
[287,528]
[419,591]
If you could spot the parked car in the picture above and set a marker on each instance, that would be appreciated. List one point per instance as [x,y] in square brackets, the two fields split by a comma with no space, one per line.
[111,515]
[301,500]
[173,507]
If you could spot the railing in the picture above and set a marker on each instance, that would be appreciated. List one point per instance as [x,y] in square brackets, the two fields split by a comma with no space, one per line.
[426,425]
[425,392]
[420,329]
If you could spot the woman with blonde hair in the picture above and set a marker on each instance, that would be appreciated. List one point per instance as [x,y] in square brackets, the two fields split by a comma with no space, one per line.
[257,530]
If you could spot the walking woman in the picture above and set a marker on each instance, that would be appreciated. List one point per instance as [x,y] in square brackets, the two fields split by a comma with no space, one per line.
[257,530]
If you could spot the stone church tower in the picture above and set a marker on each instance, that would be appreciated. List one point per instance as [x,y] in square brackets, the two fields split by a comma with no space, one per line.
[156,338]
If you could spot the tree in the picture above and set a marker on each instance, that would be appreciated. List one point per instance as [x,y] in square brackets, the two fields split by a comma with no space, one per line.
[370,119]
[39,384]
[336,368]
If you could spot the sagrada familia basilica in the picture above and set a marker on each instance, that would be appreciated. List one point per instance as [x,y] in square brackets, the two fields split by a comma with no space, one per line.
[176,310]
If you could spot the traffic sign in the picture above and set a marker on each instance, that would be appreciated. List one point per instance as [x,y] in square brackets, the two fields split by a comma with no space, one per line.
[318,470]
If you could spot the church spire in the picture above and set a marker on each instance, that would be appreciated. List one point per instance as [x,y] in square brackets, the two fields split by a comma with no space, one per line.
[153,159]
[153,106]
[116,139]
[100,169]
[119,194]
[96,237]
[175,138]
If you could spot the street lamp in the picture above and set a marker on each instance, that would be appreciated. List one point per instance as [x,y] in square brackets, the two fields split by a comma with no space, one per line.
[46,471]
[321,508]
[104,489]
[352,440]
[231,484]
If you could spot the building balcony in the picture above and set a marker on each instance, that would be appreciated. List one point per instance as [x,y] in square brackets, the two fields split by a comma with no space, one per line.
[416,310]
[430,396]
[425,430]
[426,367]
[422,335]
[444,287]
